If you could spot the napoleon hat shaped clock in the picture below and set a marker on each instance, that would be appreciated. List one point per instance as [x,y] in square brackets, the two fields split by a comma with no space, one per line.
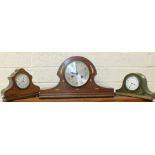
[135,85]
[76,81]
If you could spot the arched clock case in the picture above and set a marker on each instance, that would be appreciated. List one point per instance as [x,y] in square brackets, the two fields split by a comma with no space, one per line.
[20,86]
[77,81]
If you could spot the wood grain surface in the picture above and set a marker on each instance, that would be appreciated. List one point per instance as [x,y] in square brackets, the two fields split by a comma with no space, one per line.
[108,99]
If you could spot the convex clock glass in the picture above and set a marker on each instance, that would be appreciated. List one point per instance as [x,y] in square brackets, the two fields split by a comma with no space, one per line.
[132,83]
[22,81]
[77,74]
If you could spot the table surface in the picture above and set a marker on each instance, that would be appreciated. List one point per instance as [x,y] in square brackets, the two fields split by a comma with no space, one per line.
[109,99]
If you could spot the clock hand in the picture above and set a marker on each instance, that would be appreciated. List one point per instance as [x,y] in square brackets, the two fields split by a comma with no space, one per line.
[130,86]
[23,79]
[132,83]
[76,67]
[20,82]
[74,73]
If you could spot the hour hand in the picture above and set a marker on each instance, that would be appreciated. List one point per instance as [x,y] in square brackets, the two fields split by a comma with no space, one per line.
[74,73]
[132,83]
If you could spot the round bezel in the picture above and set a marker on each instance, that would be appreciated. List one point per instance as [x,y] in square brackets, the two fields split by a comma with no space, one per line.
[22,74]
[65,73]
[132,75]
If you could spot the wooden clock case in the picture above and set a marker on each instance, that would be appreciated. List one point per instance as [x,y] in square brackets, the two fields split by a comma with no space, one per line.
[141,92]
[12,92]
[64,90]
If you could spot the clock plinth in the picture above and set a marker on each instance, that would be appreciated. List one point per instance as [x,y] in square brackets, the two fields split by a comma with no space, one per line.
[89,91]
[64,89]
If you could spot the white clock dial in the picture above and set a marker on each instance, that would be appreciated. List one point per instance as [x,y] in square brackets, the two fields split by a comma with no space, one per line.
[22,81]
[132,83]
[77,73]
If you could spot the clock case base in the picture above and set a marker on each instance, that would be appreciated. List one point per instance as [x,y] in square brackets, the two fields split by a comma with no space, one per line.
[76,93]
[20,97]
[64,90]
[150,98]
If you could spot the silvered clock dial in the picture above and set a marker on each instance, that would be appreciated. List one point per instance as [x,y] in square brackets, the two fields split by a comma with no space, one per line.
[77,73]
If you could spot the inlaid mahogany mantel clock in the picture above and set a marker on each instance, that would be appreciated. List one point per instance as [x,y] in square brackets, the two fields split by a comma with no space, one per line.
[20,86]
[77,81]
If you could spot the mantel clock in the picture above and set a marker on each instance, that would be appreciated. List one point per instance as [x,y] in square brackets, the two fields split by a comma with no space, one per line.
[76,81]
[20,86]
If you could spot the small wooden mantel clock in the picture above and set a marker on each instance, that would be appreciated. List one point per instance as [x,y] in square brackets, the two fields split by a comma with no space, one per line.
[135,85]
[20,86]
[77,81]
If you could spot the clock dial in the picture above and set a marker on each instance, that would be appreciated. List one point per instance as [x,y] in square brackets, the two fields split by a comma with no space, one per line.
[22,81]
[132,83]
[77,73]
